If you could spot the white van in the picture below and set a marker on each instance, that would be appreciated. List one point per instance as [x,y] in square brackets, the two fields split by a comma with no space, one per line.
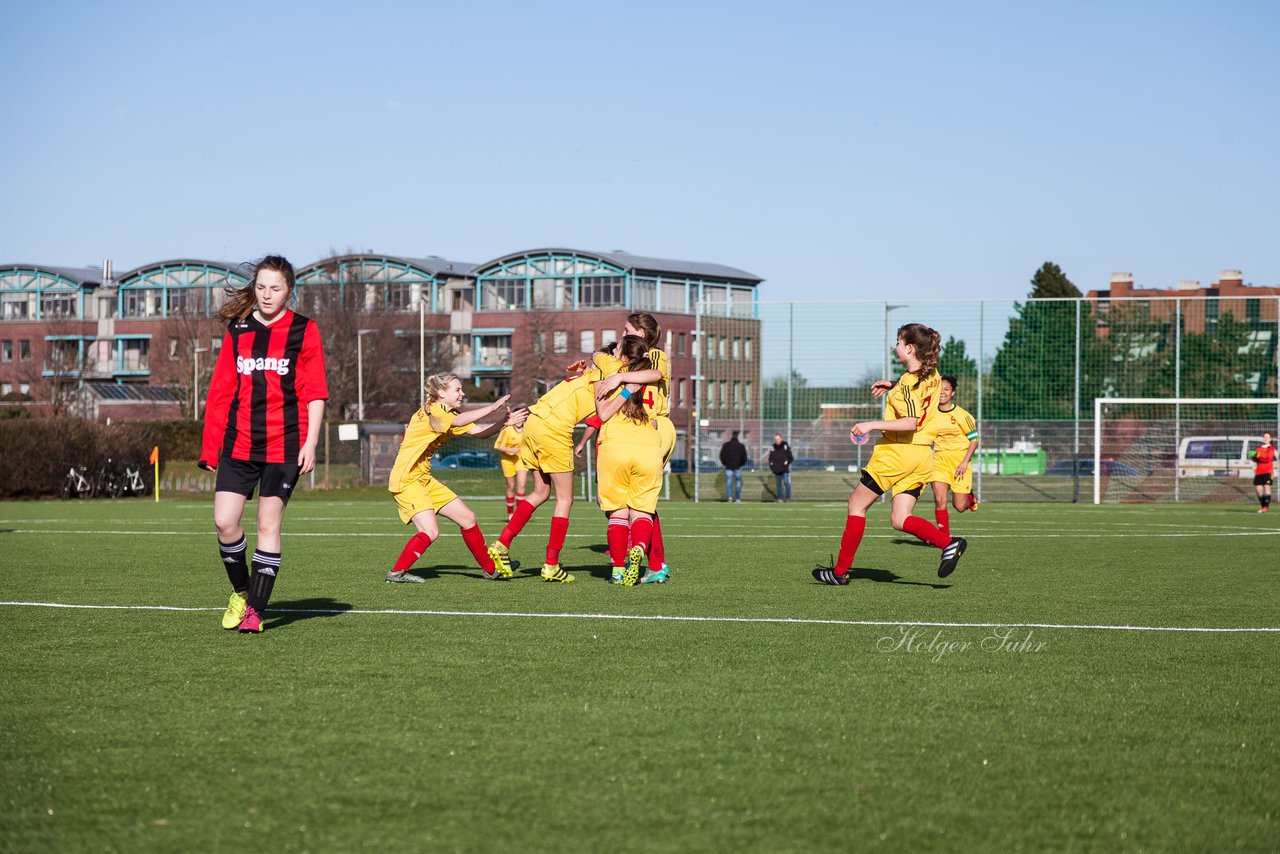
[1217,456]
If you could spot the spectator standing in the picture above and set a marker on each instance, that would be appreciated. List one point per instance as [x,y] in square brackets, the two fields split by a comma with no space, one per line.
[733,456]
[780,460]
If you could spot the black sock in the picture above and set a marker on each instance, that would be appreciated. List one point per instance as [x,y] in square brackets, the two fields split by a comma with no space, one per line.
[233,559]
[265,567]
[1266,501]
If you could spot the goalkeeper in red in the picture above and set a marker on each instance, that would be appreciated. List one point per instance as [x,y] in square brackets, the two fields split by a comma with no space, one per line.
[1264,466]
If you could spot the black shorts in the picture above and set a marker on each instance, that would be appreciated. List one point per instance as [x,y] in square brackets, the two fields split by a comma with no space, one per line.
[273,480]
[870,483]
[1262,479]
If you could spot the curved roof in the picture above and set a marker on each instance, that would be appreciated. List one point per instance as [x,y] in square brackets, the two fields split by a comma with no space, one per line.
[233,269]
[433,265]
[83,276]
[638,264]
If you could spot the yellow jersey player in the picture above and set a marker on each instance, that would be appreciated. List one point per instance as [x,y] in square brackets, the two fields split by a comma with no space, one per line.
[630,459]
[953,446]
[547,450]
[902,462]
[513,471]
[419,496]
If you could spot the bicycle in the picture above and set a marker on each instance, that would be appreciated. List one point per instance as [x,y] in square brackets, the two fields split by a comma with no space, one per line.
[133,482]
[76,485]
[109,482]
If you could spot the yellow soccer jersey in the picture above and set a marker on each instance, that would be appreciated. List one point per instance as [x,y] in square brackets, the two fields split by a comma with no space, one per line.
[568,402]
[421,440]
[916,399]
[508,437]
[657,396]
[956,429]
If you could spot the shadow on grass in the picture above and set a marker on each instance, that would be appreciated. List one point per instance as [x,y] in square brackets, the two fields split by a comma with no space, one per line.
[290,611]
[885,576]
[912,542]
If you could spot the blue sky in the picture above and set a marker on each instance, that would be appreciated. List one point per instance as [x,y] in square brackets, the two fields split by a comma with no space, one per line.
[839,150]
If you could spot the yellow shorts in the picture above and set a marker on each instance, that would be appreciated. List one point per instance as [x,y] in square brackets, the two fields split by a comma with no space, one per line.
[544,448]
[944,470]
[666,438]
[898,468]
[419,495]
[629,463]
[511,464]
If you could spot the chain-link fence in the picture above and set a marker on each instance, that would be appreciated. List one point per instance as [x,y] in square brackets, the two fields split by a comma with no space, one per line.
[1029,371]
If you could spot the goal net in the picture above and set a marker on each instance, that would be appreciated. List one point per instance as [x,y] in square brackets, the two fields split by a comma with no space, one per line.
[1176,449]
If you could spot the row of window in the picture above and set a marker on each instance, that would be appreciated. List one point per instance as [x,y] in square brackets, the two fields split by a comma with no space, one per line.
[727,394]
[23,352]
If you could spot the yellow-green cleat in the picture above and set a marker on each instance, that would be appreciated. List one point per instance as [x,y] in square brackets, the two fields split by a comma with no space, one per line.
[499,554]
[235,610]
[553,572]
[631,572]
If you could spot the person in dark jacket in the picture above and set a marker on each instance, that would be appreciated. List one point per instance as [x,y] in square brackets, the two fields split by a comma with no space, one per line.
[733,456]
[780,460]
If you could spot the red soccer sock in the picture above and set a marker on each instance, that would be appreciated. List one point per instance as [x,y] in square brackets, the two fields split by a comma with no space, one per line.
[516,523]
[559,528]
[511,506]
[921,529]
[642,533]
[657,554]
[475,542]
[944,522]
[619,537]
[853,528]
[412,551]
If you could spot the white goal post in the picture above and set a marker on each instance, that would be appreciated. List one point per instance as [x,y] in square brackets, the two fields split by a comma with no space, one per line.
[1099,402]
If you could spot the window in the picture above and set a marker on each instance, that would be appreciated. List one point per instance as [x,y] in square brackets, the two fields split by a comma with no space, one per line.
[746,349]
[502,294]
[600,291]
[17,307]
[553,293]
[215,347]
[24,350]
[747,395]
[6,388]
[57,304]
[680,344]
[6,351]
[680,392]
[25,388]
[587,341]
[173,349]
[644,294]
[540,341]
[494,351]
[400,296]
[140,302]
[186,301]
[737,349]
[560,341]
[608,336]
[134,354]
[674,297]
[724,347]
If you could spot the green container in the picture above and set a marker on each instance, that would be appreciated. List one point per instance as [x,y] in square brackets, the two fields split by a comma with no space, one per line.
[997,461]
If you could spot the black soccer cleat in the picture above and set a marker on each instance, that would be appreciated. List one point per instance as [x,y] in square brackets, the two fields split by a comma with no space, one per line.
[951,556]
[827,575]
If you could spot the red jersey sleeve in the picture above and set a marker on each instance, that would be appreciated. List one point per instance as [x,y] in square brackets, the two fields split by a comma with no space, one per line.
[222,388]
[594,421]
[312,382]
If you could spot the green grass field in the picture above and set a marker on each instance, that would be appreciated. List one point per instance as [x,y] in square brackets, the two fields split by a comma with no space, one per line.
[741,706]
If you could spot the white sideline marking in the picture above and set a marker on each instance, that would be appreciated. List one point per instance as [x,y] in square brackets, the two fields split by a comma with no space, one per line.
[667,618]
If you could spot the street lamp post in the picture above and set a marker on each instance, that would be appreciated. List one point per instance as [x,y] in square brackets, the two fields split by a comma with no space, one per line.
[196,350]
[360,333]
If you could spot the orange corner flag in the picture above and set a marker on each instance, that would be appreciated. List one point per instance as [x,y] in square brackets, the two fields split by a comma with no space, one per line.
[155,455]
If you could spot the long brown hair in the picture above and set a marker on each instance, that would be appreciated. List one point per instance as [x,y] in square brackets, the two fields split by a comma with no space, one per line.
[647,324]
[241,301]
[633,351]
[926,343]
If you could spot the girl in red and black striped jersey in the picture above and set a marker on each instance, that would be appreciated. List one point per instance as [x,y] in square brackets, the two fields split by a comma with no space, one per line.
[262,421]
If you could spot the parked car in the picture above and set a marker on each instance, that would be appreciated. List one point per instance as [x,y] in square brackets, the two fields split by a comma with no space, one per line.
[468,460]
[1084,466]
[807,464]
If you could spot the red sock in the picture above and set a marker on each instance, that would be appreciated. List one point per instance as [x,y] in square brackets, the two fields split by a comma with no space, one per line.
[853,528]
[412,551]
[657,554]
[921,529]
[559,527]
[516,523]
[944,522]
[475,541]
[642,533]
[511,506]
[619,537]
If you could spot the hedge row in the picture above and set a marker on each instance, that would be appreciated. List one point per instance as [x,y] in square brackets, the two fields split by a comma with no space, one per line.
[36,453]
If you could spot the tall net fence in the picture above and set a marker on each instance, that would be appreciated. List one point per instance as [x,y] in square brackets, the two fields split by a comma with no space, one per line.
[1029,371]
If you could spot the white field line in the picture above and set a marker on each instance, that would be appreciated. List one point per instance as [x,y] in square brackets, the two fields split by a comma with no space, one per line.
[1057,533]
[669,618]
